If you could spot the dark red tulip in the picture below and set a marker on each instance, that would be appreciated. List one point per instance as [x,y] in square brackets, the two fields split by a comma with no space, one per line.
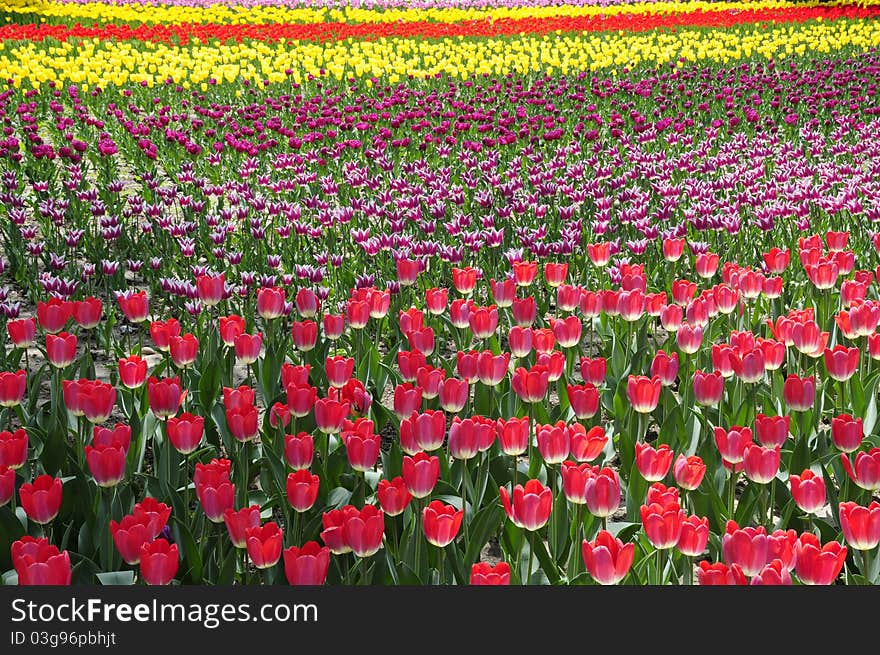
[302,490]
[41,499]
[159,562]
[13,448]
[12,388]
[129,535]
[165,396]
[299,450]
[238,523]
[37,562]
[264,544]
[307,565]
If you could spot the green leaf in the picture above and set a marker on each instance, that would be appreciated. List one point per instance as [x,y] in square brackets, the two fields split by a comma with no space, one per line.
[116,578]
[482,527]
[192,555]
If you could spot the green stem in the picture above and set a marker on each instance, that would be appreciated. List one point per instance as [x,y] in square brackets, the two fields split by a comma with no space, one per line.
[732,492]
[528,579]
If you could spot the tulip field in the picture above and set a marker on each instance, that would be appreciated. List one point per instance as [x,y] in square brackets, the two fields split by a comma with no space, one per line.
[442,292]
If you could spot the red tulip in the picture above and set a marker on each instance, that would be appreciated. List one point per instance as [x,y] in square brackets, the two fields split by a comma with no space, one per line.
[330,415]
[453,394]
[607,558]
[41,499]
[483,321]
[524,311]
[841,362]
[554,442]
[301,399]
[37,562]
[689,471]
[7,485]
[593,371]
[708,388]
[302,490]
[106,463]
[520,341]
[307,565]
[643,393]
[513,435]
[425,431]
[470,436]
[165,396]
[720,574]
[599,253]
[732,443]
[96,401]
[662,524]
[239,522]
[363,530]
[333,523]
[491,368]
[264,544]
[484,574]
[761,464]
[270,302]
[694,536]
[132,371]
[129,535]
[503,292]
[12,388]
[339,370]
[407,399]
[865,471]
[436,300]
[568,297]
[162,332]
[87,313]
[430,379]
[860,525]
[465,279]
[665,367]
[230,327]
[54,314]
[213,488]
[135,306]
[530,506]
[153,514]
[772,430]
[393,496]
[817,564]
[603,493]
[808,491]
[299,450]
[441,523]
[847,433]
[183,350]
[361,444]
[773,574]
[746,547]
[584,400]
[211,289]
[799,393]
[587,445]
[334,326]
[61,349]
[22,332]
[305,334]
[531,384]
[243,422]
[653,464]
[574,481]
[420,474]
[13,448]
[159,562]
